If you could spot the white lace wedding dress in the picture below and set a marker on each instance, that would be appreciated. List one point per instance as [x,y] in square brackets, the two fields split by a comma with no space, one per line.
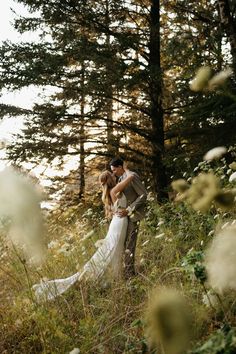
[109,254]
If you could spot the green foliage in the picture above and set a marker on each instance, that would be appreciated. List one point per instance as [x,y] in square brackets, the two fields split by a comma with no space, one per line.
[221,342]
[193,264]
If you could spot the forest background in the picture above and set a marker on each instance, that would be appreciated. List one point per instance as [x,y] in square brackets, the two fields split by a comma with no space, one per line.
[120,73]
[115,79]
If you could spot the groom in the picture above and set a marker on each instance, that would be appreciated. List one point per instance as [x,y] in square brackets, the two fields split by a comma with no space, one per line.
[136,196]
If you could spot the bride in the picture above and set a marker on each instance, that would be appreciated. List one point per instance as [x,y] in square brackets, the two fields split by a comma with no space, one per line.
[109,254]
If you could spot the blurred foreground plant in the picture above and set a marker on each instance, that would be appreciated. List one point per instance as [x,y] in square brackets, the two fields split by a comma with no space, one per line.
[168,321]
[205,189]
[20,214]
[221,260]
[206,81]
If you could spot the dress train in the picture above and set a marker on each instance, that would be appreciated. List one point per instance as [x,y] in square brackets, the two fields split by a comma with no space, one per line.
[109,254]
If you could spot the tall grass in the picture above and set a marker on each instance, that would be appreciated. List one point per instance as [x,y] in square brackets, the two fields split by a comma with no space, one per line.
[111,317]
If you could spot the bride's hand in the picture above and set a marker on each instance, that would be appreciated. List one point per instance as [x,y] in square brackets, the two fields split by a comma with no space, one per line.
[122,212]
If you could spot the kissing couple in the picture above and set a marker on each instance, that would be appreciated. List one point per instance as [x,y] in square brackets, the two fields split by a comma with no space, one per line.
[125,202]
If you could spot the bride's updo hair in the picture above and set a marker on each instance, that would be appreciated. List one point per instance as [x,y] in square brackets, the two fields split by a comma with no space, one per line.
[107,181]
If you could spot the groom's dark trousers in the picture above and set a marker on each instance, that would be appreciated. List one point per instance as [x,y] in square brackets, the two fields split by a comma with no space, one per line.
[130,247]
[136,196]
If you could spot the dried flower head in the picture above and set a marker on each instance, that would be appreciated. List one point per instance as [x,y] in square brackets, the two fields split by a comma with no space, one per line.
[202,192]
[221,260]
[233,166]
[201,79]
[219,79]
[168,321]
[215,153]
[180,185]
[232,177]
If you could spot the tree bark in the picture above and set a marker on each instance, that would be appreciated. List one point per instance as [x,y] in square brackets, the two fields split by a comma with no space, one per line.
[156,109]
[111,144]
[229,25]
[82,139]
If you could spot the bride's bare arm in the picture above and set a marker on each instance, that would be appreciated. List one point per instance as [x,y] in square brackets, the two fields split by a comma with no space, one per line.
[122,185]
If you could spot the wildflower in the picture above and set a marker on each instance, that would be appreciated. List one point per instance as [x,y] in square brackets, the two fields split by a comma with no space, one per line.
[233,166]
[221,260]
[99,243]
[65,249]
[75,351]
[215,153]
[180,185]
[160,235]
[219,79]
[142,261]
[53,244]
[225,225]
[18,322]
[202,192]
[232,177]
[88,235]
[201,79]
[210,299]
[168,321]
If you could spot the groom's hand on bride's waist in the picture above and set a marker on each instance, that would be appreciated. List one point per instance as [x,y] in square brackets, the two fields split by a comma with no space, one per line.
[122,213]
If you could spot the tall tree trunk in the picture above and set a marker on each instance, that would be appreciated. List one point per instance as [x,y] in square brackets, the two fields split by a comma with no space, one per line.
[156,109]
[111,141]
[229,25]
[82,137]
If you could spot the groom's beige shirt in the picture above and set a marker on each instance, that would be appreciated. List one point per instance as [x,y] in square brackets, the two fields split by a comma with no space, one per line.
[136,196]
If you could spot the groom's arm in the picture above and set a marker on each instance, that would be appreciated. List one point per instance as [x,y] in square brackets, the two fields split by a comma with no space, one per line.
[139,201]
[141,192]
